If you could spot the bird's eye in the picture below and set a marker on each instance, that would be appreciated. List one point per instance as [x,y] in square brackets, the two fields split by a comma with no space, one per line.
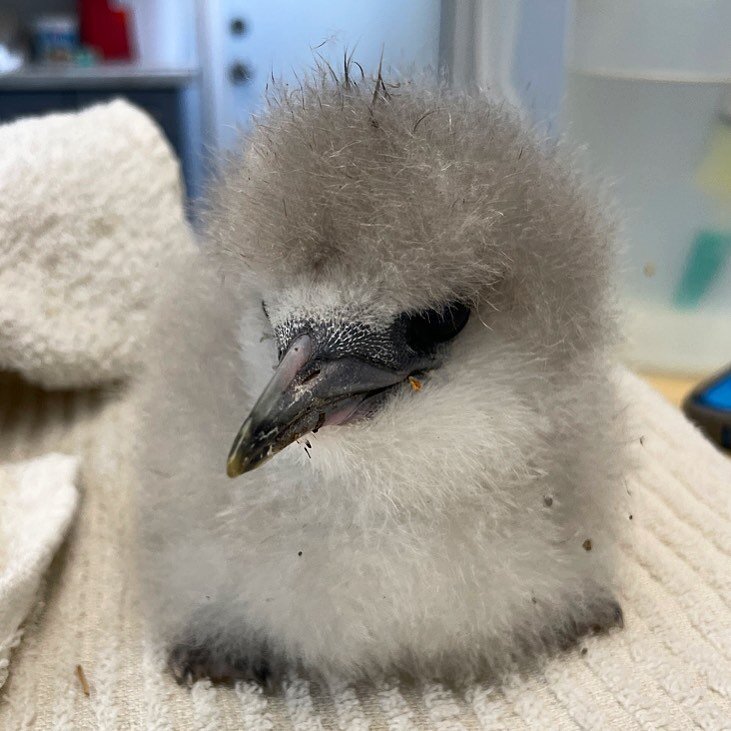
[425,330]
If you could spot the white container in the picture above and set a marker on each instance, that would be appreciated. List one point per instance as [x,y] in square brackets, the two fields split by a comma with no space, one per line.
[649,96]
[163,32]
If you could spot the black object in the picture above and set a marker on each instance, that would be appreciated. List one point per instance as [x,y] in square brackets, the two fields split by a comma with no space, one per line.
[239,73]
[427,329]
[709,406]
[163,97]
[238,27]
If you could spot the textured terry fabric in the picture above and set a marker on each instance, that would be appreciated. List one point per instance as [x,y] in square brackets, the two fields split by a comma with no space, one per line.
[38,500]
[90,202]
[669,668]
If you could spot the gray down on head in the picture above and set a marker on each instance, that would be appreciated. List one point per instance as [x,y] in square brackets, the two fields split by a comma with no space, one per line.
[396,336]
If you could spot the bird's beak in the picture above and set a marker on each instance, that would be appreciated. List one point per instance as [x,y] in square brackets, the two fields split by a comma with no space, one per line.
[304,394]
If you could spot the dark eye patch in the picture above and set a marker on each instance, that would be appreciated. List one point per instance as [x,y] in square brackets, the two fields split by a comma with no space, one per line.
[427,329]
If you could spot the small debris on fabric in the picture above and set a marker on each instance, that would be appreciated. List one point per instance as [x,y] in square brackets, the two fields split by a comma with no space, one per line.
[299,553]
[586,545]
[584,650]
[630,517]
[82,679]
[159,473]
[415,383]
[649,269]
[548,501]
[642,441]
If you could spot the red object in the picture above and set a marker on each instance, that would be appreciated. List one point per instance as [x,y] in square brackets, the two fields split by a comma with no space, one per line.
[105,29]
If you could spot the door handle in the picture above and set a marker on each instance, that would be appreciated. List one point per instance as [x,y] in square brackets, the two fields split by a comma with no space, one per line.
[239,73]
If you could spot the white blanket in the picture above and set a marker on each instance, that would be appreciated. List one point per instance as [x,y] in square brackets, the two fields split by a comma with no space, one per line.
[90,206]
[669,668]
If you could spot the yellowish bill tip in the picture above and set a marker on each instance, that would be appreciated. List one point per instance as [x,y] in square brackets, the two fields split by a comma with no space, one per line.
[234,466]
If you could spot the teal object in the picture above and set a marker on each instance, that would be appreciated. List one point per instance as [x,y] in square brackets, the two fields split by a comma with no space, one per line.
[710,253]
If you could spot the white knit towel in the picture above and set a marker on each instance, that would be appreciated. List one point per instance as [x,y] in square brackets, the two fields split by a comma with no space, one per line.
[38,499]
[669,668]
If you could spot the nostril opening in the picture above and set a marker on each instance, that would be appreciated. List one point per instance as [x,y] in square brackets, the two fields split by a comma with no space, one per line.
[310,376]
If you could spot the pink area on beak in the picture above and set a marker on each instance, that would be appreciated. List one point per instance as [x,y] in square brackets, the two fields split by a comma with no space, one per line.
[294,359]
[342,415]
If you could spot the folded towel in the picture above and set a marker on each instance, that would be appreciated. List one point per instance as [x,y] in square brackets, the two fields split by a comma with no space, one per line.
[37,502]
[90,204]
[90,209]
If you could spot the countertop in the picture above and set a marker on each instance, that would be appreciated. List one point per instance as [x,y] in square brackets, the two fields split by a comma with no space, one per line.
[129,75]
[674,388]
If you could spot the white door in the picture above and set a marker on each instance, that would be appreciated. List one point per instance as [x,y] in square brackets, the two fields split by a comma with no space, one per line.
[246,41]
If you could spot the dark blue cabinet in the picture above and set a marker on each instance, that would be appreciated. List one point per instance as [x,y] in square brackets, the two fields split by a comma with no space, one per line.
[165,97]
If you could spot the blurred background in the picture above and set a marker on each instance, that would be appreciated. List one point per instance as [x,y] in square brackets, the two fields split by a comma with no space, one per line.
[643,87]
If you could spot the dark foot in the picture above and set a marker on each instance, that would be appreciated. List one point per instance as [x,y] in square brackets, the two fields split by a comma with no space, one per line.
[605,615]
[189,663]
[608,615]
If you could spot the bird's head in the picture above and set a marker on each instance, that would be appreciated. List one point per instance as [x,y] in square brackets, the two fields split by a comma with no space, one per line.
[383,237]
[340,360]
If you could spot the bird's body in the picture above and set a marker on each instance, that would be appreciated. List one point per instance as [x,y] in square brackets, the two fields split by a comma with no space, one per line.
[459,517]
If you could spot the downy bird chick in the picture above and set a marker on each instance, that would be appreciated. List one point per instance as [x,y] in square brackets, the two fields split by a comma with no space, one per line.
[404,298]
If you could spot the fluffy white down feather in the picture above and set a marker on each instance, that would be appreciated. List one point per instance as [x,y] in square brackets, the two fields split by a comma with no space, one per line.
[447,534]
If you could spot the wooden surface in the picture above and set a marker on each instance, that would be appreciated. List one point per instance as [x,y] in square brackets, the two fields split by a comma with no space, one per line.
[674,388]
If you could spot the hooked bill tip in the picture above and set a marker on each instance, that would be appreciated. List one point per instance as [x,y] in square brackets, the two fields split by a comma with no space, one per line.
[241,461]
[234,468]
[238,461]
[246,456]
